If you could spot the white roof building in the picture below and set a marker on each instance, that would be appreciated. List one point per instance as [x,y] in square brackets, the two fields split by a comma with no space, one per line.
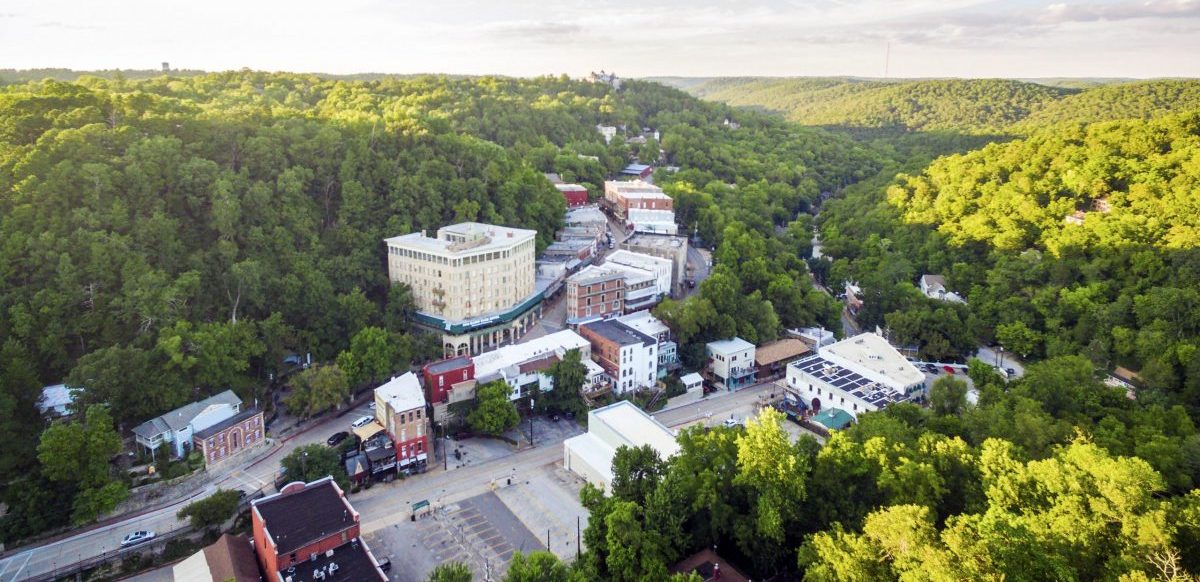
[857,375]
[661,268]
[518,365]
[653,221]
[591,455]
[402,393]
[645,322]
[56,399]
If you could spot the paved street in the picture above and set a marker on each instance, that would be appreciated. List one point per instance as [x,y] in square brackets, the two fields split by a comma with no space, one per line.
[30,562]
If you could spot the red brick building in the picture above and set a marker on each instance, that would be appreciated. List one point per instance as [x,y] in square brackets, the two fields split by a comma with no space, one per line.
[308,532]
[442,375]
[595,292]
[400,408]
[574,194]
[230,437]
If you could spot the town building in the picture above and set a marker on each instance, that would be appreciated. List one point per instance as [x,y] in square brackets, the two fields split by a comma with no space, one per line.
[624,195]
[663,269]
[400,408]
[858,374]
[309,532]
[668,351]
[586,216]
[175,429]
[710,567]
[574,194]
[833,419]
[474,283]
[934,287]
[853,298]
[56,400]
[629,357]
[692,382]
[670,247]
[229,559]
[730,363]
[522,366]
[815,337]
[595,292]
[590,455]
[580,250]
[640,171]
[230,438]
[772,359]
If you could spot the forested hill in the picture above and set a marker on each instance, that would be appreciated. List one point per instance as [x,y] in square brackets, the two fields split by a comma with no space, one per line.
[978,106]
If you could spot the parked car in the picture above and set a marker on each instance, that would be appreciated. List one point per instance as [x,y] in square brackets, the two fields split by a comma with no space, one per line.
[691,283]
[385,564]
[137,537]
[949,370]
[732,422]
[1011,372]
[362,421]
[371,406]
[336,438]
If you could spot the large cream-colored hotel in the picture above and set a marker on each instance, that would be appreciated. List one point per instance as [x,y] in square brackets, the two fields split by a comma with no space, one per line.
[474,283]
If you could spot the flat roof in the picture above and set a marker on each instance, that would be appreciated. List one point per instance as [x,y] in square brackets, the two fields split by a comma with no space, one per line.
[655,239]
[349,561]
[594,274]
[448,365]
[313,512]
[780,350]
[645,322]
[635,189]
[729,346]
[637,427]
[228,422]
[620,333]
[402,392]
[570,188]
[489,237]
[692,378]
[873,356]
[489,363]
[639,260]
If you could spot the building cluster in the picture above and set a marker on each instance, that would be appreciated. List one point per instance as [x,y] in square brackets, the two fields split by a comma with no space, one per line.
[216,427]
[626,282]
[642,205]
[307,532]
[590,455]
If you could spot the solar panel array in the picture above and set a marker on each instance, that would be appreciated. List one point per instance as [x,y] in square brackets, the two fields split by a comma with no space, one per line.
[848,381]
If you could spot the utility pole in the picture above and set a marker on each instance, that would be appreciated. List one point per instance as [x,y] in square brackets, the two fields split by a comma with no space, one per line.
[578,551]
[531,422]
[445,449]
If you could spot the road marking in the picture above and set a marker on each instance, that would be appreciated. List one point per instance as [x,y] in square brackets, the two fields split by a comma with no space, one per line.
[28,556]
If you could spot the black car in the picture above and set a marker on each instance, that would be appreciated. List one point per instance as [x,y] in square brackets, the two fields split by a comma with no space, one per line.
[385,564]
[337,438]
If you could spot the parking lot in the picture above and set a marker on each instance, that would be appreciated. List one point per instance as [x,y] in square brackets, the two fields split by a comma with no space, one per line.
[485,531]
[475,451]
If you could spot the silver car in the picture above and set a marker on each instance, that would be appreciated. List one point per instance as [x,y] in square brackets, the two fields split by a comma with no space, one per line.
[137,537]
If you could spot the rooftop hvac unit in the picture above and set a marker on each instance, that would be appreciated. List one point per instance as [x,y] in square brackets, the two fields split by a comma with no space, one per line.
[329,554]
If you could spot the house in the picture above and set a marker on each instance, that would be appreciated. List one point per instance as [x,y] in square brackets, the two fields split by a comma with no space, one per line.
[56,400]
[815,337]
[772,359]
[229,559]
[610,79]
[175,428]
[1124,378]
[668,351]
[710,567]
[663,269]
[309,532]
[629,357]
[590,455]
[692,382]
[230,437]
[641,171]
[441,375]
[574,194]
[672,248]
[934,287]
[730,363]
[853,296]
[858,374]
[400,408]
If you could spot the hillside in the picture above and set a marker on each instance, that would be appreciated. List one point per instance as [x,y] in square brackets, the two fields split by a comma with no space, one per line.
[979,106]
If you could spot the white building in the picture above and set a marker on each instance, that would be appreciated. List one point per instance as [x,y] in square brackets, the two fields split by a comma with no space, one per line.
[629,357]
[858,374]
[653,221]
[591,455]
[175,428]
[523,366]
[663,269]
[474,283]
[730,363]
[607,131]
[934,287]
[668,351]
[692,382]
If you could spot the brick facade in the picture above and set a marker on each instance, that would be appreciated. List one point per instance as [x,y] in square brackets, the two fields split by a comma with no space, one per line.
[231,437]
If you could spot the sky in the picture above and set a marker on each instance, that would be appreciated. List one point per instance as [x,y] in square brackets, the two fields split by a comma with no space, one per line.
[634,38]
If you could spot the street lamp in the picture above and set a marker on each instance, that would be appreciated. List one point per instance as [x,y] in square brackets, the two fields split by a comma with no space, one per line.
[531,422]
[445,449]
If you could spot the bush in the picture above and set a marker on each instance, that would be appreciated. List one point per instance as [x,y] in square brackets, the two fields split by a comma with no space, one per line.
[212,510]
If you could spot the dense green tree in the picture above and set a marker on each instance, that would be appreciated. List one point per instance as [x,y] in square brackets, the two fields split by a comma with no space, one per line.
[493,411]
[536,567]
[317,389]
[311,462]
[19,418]
[212,510]
[374,354]
[450,572]
[636,473]
[569,375]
